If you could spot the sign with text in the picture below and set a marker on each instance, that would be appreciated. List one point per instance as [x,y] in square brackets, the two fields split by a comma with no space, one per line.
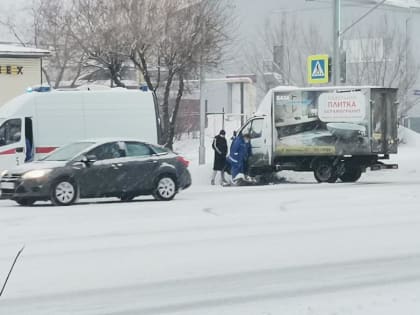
[342,107]
[11,70]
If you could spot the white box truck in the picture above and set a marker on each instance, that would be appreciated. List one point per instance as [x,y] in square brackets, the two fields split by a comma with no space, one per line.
[42,121]
[335,132]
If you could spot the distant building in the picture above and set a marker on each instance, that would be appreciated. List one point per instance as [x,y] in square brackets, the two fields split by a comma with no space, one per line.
[20,68]
[412,120]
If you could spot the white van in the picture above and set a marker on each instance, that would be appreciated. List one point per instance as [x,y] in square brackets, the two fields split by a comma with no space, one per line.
[36,123]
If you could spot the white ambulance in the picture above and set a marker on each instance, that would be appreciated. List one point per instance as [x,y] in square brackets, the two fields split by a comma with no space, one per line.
[36,123]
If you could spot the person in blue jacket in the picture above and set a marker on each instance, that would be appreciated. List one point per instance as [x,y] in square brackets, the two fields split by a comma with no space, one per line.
[240,151]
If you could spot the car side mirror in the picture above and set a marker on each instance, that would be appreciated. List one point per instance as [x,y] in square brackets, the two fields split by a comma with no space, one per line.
[89,159]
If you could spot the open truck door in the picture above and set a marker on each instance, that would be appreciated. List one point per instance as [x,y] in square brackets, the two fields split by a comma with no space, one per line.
[384,121]
[260,132]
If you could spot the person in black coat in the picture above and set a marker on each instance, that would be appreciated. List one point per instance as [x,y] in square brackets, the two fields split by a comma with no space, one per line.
[220,151]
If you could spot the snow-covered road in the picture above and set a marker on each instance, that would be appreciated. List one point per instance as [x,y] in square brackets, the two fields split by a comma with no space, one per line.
[294,248]
[297,248]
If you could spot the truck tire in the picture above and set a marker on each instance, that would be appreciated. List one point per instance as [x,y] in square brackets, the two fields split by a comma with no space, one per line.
[351,174]
[325,172]
[265,179]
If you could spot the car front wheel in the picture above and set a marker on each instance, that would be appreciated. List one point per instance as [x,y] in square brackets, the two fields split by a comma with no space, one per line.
[166,188]
[63,192]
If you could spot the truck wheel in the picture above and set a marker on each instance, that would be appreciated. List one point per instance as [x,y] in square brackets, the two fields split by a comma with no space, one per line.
[64,192]
[166,188]
[351,175]
[325,172]
[25,202]
[265,179]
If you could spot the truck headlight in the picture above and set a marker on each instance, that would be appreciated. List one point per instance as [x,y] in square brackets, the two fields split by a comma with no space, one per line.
[36,174]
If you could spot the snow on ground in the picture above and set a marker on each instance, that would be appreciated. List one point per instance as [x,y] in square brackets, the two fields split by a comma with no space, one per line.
[297,248]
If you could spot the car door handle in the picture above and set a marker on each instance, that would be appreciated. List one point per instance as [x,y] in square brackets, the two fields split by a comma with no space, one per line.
[153,161]
[19,150]
[116,166]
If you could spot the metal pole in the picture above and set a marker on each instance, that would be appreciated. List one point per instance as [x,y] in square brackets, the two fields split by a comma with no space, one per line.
[242,103]
[336,41]
[202,149]
[223,118]
[407,47]
[229,100]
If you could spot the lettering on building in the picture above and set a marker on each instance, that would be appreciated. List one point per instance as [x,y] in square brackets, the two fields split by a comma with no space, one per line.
[11,70]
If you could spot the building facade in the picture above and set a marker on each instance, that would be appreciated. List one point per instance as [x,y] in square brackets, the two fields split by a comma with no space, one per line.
[20,68]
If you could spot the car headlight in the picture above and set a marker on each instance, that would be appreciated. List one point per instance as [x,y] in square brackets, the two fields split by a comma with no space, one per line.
[3,173]
[35,174]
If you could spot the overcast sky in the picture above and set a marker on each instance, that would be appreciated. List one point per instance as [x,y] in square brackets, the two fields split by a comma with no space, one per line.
[251,15]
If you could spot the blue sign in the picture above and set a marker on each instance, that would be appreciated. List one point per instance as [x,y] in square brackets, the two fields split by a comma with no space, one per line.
[318,69]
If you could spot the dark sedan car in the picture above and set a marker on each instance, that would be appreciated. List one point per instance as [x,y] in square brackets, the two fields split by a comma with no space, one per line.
[98,168]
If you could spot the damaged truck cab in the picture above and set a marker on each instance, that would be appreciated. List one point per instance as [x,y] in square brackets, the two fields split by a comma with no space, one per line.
[334,132]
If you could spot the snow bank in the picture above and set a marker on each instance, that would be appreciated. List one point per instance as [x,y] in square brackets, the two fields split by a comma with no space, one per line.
[408,137]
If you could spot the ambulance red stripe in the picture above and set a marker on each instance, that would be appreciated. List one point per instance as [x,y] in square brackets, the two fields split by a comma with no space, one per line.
[38,150]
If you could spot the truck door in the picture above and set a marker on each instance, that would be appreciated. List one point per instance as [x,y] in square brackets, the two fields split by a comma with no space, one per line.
[260,142]
[12,143]
[384,121]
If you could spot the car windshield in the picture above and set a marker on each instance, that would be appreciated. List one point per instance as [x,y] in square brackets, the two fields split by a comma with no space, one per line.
[68,152]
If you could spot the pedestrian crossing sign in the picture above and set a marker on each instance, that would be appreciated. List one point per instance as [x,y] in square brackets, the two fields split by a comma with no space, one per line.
[318,69]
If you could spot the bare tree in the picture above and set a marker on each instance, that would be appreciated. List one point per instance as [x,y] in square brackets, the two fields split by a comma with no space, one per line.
[383,59]
[99,28]
[294,42]
[51,31]
[168,41]
[171,40]
[382,48]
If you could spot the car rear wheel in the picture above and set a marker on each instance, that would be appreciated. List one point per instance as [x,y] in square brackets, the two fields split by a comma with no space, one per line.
[166,188]
[25,202]
[64,192]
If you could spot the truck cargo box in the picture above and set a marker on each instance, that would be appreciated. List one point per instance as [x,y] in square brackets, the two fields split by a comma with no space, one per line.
[335,122]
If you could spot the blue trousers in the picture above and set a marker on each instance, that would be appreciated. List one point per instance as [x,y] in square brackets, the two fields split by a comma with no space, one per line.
[236,167]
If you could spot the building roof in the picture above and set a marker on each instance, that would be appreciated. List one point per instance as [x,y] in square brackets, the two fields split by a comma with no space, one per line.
[21,51]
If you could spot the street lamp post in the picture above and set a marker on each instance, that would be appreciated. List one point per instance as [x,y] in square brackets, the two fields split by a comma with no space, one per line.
[336,41]
[202,149]
[338,33]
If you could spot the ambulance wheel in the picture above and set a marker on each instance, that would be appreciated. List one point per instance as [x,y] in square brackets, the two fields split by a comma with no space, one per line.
[351,174]
[325,172]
